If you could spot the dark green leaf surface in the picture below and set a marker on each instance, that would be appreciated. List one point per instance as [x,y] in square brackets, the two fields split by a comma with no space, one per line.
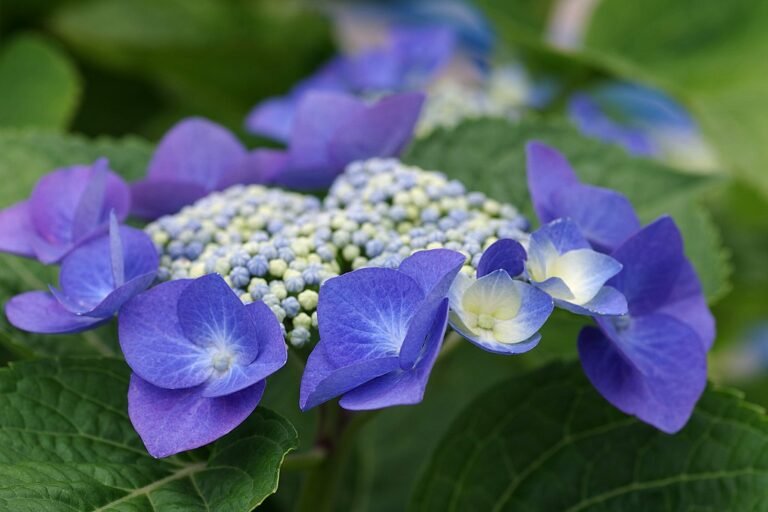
[489,155]
[25,156]
[39,86]
[66,444]
[547,441]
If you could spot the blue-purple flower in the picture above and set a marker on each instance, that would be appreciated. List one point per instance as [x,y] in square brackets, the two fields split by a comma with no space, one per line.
[562,263]
[96,279]
[380,333]
[67,208]
[195,157]
[644,121]
[652,362]
[496,312]
[411,58]
[333,129]
[200,358]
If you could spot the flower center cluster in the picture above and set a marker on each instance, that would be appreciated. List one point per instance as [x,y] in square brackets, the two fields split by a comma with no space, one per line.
[279,247]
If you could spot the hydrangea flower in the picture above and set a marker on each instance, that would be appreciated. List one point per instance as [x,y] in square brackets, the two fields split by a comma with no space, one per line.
[200,358]
[67,208]
[562,263]
[332,129]
[95,281]
[380,332]
[604,217]
[651,363]
[644,121]
[195,157]
[496,312]
[409,60]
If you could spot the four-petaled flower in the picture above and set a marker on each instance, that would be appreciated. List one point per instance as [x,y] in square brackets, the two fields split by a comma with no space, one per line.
[380,332]
[96,279]
[200,358]
[562,263]
[67,208]
[496,312]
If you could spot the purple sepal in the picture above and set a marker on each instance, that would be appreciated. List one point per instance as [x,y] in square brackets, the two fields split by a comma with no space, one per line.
[605,217]
[403,386]
[67,208]
[172,421]
[16,229]
[503,254]
[195,157]
[433,270]
[40,312]
[590,119]
[608,302]
[654,368]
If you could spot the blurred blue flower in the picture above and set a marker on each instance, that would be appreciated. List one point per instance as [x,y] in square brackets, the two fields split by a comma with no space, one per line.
[645,121]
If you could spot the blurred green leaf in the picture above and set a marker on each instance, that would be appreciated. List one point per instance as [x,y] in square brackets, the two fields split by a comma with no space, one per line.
[216,57]
[711,54]
[548,441]
[25,156]
[66,443]
[489,155]
[39,85]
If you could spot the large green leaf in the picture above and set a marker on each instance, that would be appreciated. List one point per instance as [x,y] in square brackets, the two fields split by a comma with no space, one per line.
[710,53]
[39,86]
[25,156]
[216,58]
[489,155]
[547,441]
[66,444]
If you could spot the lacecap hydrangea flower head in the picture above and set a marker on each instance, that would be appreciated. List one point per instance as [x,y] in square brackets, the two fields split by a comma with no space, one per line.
[361,283]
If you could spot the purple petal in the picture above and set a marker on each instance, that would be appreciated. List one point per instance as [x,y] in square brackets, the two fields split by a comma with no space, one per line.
[379,130]
[273,355]
[434,270]
[273,118]
[212,316]
[653,259]
[40,312]
[87,279]
[504,254]
[423,53]
[173,421]
[377,69]
[16,230]
[654,368]
[608,302]
[198,151]
[420,329]
[88,211]
[402,386]
[53,207]
[686,302]
[153,343]
[259,166]
[154,198]
[364,314]
[116,254]
[115,300]
[323,380]
[605,217]
[563,234]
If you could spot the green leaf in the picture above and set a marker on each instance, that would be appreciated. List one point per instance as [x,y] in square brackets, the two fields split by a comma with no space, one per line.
[66,444]
[548,441]
[25,156]
[724,73]
[489,155]
[39,86]
[215,58]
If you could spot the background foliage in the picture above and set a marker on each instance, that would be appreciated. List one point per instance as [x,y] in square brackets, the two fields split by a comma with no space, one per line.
[84,78]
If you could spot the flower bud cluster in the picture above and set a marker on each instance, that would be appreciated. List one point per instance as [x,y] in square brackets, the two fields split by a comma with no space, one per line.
[279,247]
[505,93]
